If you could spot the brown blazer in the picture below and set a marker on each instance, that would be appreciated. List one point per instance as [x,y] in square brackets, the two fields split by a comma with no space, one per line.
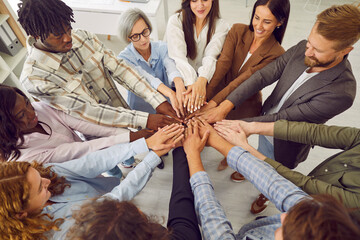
[227,76]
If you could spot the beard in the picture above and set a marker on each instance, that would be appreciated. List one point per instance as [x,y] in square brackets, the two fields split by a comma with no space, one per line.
[314,62]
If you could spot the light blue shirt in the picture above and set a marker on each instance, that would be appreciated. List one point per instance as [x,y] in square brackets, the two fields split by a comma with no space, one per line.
[83,175]
[283,193]
[160,68]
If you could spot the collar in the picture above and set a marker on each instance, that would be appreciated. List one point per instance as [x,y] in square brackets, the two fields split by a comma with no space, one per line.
[49,59]
[154,53]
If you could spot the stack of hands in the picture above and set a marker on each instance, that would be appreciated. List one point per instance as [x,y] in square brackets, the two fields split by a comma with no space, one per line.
[198,133]
[187,103]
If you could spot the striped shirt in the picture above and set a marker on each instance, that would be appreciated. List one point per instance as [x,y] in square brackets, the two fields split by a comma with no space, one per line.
[81,83]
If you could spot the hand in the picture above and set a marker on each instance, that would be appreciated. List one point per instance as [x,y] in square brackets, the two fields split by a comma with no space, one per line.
[196,94]
[165,139]
[193,144]
[156,121]
[175,104]
[145,133]
[166,109]
[217,113]
[237,125]
[235,137]
[206,127]
[180,89]
[211,104]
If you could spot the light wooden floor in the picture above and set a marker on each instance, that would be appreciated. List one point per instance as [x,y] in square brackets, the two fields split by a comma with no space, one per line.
[237,197]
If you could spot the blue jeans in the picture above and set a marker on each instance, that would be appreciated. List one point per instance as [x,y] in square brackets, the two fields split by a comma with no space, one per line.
[116,172]
[265,147]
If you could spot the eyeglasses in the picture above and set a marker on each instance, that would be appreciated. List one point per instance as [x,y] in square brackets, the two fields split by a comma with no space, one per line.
[136,37]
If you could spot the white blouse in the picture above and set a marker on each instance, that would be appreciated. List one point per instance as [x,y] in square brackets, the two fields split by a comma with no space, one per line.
[205,62]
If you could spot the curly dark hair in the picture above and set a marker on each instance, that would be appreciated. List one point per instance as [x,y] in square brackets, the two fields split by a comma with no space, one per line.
[9,131]
[106,218]
[39,18]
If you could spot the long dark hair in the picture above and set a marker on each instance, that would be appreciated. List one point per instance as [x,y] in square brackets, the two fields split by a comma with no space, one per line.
[188,21]
[280,9]
[9,130]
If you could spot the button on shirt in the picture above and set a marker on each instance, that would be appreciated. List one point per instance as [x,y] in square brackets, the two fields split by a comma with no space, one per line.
[81,82]
[279,190]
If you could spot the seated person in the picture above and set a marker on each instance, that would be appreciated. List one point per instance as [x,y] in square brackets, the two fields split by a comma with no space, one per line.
[35,131]
[72,71]
[37,200]
[151,60]
[303,217]
[337,175]
[112,219]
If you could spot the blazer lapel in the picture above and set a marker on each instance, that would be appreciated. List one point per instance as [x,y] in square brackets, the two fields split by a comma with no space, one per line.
[259,54]
[246,42]
[319,81]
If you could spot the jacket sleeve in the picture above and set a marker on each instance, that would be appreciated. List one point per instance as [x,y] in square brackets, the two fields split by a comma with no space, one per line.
[221,96]
[315,186]
[261,78]
[223,64]
[317,134]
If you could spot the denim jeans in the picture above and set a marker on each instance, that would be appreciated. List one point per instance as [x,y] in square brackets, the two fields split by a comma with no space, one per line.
[265,147]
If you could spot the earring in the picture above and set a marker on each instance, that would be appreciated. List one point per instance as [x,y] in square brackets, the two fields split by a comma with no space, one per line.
[278,27]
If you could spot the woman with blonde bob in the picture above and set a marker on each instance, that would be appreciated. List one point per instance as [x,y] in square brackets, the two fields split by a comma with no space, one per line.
[37,200]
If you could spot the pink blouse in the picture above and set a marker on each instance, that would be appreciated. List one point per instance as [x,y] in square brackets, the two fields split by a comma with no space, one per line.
[62,143]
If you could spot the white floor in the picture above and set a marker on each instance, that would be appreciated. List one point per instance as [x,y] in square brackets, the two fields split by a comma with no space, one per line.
[237,197]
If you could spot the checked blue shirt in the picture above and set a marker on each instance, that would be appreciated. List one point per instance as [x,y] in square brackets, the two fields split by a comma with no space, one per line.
[279,190]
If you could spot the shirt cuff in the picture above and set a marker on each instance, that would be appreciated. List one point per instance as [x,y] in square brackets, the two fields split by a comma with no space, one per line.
[199,178]
[155,82]
[141,119]
[139,146]
[152,159]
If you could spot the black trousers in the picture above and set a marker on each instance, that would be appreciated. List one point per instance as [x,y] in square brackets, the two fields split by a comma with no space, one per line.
[182,220]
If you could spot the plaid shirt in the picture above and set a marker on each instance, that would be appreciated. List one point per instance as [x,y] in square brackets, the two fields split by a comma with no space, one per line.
[80,82]
[279,190]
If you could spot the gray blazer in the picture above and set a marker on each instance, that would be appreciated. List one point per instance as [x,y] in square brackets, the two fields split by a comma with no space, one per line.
[322,97]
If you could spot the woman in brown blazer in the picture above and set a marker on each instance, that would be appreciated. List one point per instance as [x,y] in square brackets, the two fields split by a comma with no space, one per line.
[248,48]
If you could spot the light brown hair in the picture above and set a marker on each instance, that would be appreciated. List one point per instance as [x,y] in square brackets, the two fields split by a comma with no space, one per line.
[340,23]
[103,219]
[319,218]
[14,195]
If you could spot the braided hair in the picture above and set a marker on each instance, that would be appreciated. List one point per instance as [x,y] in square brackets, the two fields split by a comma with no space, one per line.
[39,18]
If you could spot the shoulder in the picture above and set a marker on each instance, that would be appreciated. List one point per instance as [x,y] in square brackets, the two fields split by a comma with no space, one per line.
[239,29]
[126,53]
[175,19]
[221,24]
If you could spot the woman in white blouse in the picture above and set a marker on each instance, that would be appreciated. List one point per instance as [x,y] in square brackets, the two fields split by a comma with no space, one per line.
[195,36]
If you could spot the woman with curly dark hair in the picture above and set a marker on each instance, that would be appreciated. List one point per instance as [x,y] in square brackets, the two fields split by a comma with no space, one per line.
[36,131]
